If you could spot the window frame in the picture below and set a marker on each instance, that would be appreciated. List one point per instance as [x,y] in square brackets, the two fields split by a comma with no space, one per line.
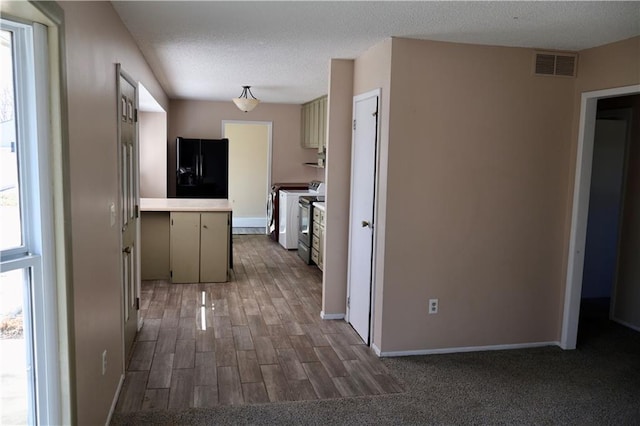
[37,252]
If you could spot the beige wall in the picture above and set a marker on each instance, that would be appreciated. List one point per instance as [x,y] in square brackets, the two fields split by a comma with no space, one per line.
[372,70]
[96,40]
[248,167]
[338,178]
[477,170]
[152,128]
[203,119]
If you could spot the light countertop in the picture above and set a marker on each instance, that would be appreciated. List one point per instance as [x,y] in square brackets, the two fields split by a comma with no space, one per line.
[185,205]
[319,205]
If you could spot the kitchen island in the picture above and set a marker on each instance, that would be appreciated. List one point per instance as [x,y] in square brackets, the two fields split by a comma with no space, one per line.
[185,240]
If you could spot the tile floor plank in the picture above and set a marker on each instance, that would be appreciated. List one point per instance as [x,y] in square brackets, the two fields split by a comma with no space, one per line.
[206,373]
[182,388]
[205,396]
[275,382]
[225,352]
[320,380]
[155,399]
[291,365]
[254,392]
[265,350]
[142,356]
[242,338]
[161,369]
[264,339]
[229,386]
[185,354]
[248,367]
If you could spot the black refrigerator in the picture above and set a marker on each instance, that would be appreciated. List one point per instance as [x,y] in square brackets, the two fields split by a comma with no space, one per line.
[202,168]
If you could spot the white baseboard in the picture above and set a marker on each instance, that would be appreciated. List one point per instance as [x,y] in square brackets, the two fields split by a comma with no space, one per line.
[249,222]
[331,316]
[463,349]
[626,324]
[115,400]
[376,349]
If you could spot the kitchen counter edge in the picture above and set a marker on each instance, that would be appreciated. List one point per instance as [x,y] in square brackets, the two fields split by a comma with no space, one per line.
[185,205]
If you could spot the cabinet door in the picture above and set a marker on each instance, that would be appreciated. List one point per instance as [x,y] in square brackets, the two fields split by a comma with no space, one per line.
[322,140]
[214,245]
[185,247]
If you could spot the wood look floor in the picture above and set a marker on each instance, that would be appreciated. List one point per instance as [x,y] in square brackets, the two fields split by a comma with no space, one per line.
[255,339]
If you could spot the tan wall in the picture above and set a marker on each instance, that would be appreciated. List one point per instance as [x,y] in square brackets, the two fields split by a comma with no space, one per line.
[96,40]
[248,164]
[338,178]
[477,171]
[203,119]
[610,66]
[152,128]
[372,70]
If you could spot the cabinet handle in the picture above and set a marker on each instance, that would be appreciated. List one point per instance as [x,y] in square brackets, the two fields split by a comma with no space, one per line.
[126,250]
[366,224]
[205,226]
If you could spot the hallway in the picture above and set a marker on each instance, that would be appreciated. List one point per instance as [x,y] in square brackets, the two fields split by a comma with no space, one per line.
[255,339]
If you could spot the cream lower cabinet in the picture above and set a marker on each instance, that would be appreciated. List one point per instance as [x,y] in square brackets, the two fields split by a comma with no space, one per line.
[199,247]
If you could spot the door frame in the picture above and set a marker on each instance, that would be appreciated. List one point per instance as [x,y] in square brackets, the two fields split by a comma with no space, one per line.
[269,125]
[580,209]
[376,188]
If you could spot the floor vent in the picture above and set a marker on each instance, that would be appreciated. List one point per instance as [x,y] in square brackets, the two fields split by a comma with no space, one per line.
[563,64]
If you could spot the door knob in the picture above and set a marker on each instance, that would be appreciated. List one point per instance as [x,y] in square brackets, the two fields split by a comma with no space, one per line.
[366,224]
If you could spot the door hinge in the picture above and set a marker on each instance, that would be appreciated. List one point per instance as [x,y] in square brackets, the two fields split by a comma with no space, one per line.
[171,274]
[135,115]
[137,303]
[348,302]
[354,124]
[137,211]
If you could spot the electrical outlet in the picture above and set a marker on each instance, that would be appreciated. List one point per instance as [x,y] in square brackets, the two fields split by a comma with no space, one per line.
[433,306]
[104,362]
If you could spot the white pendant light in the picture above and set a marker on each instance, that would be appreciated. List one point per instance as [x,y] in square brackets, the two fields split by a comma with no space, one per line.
[243,102]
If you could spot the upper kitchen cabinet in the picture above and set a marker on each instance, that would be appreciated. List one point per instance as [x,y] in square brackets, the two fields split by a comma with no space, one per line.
[314,123]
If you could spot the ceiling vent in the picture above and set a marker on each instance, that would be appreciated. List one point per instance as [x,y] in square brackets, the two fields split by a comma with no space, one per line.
[558,64]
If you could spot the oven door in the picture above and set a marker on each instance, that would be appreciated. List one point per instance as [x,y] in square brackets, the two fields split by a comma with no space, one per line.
[304,223]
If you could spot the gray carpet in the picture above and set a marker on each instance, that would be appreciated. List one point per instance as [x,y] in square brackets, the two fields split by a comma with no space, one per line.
[597,384]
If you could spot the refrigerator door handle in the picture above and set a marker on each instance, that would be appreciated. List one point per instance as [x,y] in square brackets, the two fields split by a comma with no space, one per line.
[201,162]
[197,167]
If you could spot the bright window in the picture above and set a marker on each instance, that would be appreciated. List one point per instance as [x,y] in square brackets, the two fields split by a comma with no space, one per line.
[28,343]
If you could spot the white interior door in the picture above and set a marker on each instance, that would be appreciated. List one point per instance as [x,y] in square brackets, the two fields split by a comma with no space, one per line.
[129,172]
[361,221]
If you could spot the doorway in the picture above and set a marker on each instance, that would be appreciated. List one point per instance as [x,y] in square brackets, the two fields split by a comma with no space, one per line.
[362,217]
[586,167]
[249,171]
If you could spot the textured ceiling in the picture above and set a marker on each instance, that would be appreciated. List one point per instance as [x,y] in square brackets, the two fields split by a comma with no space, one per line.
[208,49]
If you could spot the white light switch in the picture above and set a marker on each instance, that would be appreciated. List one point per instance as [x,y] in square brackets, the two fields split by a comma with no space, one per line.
[112,213]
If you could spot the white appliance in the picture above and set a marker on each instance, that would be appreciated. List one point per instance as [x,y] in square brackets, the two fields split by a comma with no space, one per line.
[289,213]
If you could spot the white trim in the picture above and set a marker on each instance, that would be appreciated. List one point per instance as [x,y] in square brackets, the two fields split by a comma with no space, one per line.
[331,316]
[376,349]
[249,222]
[114,402]
[464,349]
[626,324]
[578,234]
